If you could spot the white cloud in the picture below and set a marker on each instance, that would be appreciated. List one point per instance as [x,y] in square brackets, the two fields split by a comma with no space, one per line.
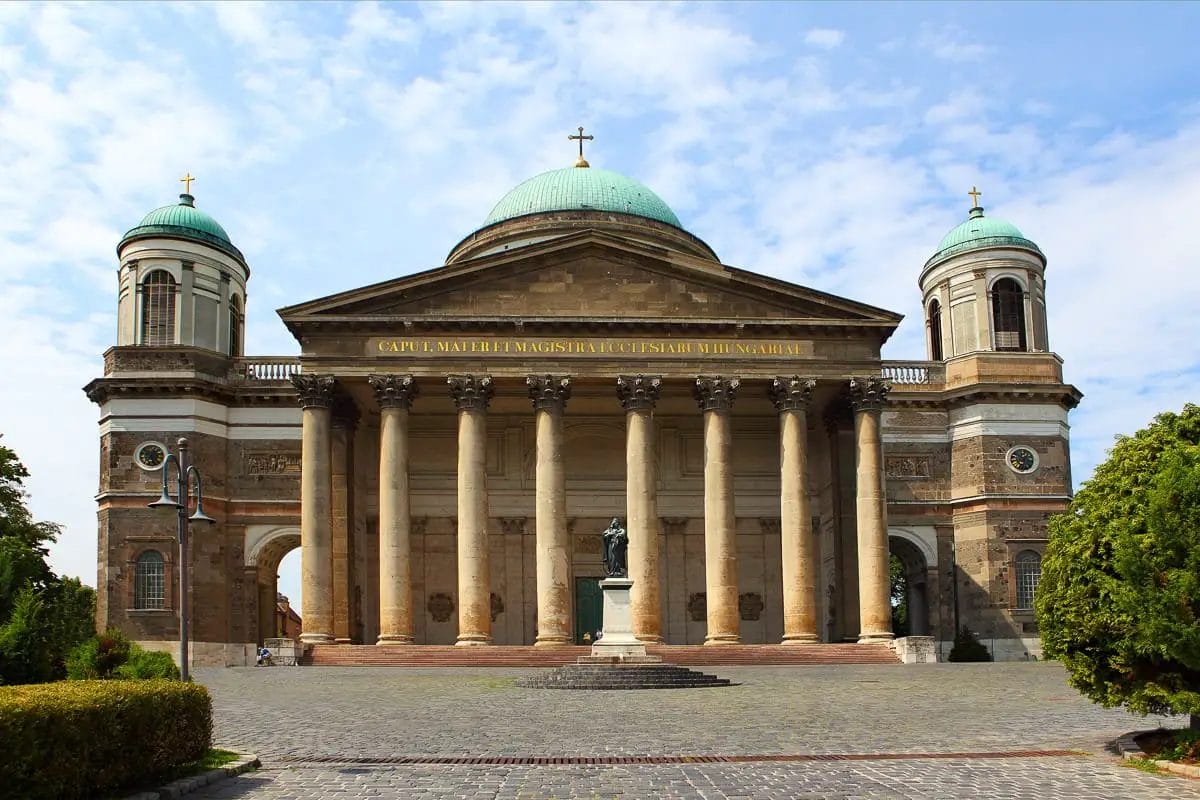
[825,38]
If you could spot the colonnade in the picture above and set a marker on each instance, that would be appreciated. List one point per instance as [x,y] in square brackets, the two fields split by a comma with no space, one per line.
[638,395]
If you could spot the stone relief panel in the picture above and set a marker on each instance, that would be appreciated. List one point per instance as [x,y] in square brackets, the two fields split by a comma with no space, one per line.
[440,606]
[496,602]
[909,466]
[698,606]
[750,606]
[272,463]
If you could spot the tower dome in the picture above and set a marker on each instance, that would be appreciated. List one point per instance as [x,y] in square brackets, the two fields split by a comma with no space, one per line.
[183,221]
[979,231]
[582,189]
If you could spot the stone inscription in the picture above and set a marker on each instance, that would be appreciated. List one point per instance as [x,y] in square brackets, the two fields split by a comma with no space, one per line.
[596,348]
[272,464]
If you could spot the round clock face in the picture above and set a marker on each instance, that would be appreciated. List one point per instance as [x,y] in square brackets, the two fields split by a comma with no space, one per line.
[1022,459]
[150,455]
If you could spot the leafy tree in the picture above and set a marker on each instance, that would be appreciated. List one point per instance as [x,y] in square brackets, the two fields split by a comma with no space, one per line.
[16,522]
[1119,598]
[24,651]
[899,595]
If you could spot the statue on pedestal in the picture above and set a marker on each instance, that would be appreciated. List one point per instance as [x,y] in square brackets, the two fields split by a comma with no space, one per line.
[616,547]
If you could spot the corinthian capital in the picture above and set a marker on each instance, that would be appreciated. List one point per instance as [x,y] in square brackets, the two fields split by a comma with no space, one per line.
[869,394]
[549,392]
[792,394]
[638,392]
[471,392]
[715,392]
[394,391]
[316,391]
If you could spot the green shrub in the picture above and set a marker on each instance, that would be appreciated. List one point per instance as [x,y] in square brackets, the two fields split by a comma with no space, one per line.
[24,655]
[99,657]
[78,739]
[143,664]
[968,648]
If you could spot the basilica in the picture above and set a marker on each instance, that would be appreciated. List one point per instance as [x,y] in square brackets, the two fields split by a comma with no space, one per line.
[449,446]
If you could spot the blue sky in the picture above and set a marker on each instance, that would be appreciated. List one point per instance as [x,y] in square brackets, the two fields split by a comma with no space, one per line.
[827,144]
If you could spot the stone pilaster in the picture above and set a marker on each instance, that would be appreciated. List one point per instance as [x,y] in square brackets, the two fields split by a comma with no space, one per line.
[638,395]
[471,395]
[395,394]
[868,397]
[316,491]
[791,397]
[553,550]
[715,395]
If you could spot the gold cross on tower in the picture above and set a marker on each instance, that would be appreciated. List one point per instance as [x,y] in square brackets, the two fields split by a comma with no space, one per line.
[186,180]
[582,162]
[975,194]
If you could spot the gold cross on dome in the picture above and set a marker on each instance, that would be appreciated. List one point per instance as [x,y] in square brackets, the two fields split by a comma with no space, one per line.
[975,195]
[186,180]
[582,162]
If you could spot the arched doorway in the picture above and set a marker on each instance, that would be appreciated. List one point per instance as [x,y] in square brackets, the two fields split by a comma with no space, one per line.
[266,547]
[909,586]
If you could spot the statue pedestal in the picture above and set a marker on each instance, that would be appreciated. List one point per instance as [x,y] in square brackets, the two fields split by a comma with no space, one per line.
[618,642]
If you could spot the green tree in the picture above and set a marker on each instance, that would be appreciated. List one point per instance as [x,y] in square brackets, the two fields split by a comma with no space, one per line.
[25,655]
[898,577]
[1119,598]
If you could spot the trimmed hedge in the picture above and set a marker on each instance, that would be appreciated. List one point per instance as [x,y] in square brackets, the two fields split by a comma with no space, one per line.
[79,739]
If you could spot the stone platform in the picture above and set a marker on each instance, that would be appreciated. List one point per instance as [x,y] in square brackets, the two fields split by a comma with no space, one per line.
[600,673]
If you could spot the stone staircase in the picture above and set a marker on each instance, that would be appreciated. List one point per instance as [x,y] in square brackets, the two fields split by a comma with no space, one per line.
[346,655]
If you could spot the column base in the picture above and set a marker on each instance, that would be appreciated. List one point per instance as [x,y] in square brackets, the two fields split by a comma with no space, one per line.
[552,641]
[650,639]
[316,638]
[473,641]
[386,639]
[882,637]
[343,640]
[801,638]
[722,639]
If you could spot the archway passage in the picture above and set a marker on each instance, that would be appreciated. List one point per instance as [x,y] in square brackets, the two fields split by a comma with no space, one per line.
[910,588]
[272,623]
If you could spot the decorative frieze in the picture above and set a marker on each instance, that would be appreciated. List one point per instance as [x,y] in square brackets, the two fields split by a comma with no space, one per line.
[548,392]
[869,394]
[638,392]
[471,392]
[715,392]
[908,466]
[316,391]
[394,391]
[345,412]
[792,394]
[770,526]
[272,463]
[512,525]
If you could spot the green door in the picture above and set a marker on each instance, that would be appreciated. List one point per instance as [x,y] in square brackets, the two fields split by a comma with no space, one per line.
[588,609]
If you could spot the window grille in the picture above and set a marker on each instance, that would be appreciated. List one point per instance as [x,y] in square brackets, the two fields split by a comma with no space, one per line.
[150,586]
[1008,314]
[935,330]
[1028,569]
[158,308]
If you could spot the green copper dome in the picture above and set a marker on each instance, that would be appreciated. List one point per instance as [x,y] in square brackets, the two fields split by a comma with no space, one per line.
[980,231]
[183,221]
[582,189]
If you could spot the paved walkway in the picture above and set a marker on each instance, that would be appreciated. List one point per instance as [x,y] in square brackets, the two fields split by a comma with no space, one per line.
[383,732]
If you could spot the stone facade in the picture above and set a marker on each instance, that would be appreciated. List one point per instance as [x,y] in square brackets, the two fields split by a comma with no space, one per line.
[765,479]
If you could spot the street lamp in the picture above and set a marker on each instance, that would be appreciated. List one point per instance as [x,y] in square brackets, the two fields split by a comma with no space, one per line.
[184,484]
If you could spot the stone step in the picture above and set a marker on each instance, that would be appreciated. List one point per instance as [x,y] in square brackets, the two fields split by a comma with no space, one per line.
[518,656]
[620,677]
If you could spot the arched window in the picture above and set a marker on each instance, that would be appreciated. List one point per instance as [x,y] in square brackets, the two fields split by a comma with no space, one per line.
[1008,314]
[935,330]
[235,324]
[1028,570]
[150,582]
[158,308]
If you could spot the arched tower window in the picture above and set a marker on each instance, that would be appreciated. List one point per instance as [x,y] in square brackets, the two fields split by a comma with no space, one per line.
[149,583]
[158,308]
[935,330]
[235,325]
[1028,571]
[1008,314]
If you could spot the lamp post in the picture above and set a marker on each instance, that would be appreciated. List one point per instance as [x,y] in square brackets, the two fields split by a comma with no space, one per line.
[186,472]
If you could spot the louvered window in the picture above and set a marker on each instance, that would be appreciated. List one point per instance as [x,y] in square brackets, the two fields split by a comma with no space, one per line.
[935,330]
[1008,314]
[158,308]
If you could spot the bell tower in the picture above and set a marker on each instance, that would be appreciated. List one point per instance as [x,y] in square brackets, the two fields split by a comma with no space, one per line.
[181,281]
[984,290]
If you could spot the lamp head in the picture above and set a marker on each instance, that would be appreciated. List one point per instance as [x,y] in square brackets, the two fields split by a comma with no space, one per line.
[200,516]
[164,501]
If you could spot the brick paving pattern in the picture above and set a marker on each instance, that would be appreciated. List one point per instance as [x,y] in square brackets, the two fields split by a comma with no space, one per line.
[330,732]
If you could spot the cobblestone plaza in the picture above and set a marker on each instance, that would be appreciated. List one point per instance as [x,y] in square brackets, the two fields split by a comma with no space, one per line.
[946,731]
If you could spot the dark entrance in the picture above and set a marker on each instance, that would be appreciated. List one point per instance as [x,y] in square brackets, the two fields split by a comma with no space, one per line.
[588,609]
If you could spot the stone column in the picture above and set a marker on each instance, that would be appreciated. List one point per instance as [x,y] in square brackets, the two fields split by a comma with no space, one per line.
[792,396]
[715,394]
[638,395]
[344,419]
[867,397]
[316,521]
[549,395]
[471,394]
[395,394]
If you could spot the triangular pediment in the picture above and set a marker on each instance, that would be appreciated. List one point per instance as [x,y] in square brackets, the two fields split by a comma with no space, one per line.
[589,275]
